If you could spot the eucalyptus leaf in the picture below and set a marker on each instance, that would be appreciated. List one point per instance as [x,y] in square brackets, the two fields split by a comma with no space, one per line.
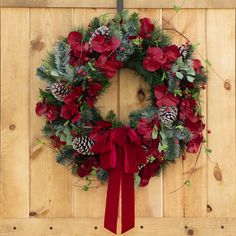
[179,75]
[137,180]
[190,78]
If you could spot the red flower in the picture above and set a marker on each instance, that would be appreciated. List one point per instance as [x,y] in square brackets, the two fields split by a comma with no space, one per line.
[147,27]
[172,54]
[74,95]
[187,110]
[51,112]
[40,108]
[149,170]
[197,66]
[87,167]
[79,49]
[70,112]
[165,98]
[103,45]
[194,144]
[108,66]
[93,91]
[154,60]
[99,128]
[145,128]
[56,141]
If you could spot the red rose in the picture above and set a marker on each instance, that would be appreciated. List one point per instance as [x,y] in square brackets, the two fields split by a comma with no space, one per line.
[99,128]
[73,95]
[51,112]
[103,45]
[154,59]
[149,170]
[147,27]
[164,97]
[93,91]
[108,65]
[40,108]
[74,37]
[70,112]
[197,66]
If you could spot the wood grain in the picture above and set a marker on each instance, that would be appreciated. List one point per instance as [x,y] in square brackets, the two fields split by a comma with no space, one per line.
[112,3]
[51,183]
[14,175]
[221,112]
[94,226]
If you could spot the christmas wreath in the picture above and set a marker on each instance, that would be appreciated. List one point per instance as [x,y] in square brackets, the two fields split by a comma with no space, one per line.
[81,69]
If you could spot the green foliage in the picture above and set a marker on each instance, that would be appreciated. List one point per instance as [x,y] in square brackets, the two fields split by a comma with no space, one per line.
[135,116]
[112,117]
[65,156]
[102,175]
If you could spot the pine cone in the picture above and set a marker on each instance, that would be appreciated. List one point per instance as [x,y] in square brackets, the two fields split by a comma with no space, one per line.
[83,145]
[183,52]
[167,115]
[59,91]
[102,30]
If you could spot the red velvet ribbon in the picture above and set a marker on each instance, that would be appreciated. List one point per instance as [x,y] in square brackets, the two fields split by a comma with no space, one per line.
[120,152]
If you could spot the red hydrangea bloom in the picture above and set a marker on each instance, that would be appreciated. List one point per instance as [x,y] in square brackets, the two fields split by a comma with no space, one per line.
[40,108]
[56,141]
[99,128]
[187,110]
[108,65]
[147,27]
[145,128]
[172,54]
[197,66]
[79,49]
[149,170]
[192,122]
[70,112]
[50,110]
[93,91]
[86,168]
[154,60]
[164,97]
[102,44]
[73,95]
[157,57]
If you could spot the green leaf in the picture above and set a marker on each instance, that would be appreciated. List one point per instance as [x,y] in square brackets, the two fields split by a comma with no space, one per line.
[190,78]
[187,183]
[54,73]
[151,159]
[179,75]
[178,92]
[191,71]
[177,8]
[162,147]
[180,62]
[85,187]
[154,132]
[181,127]
[208,63]
[62,137]
[207,150]
[93,172]
[137,180]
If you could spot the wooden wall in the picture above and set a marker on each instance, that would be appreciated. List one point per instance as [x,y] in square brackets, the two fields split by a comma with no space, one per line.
[40,197]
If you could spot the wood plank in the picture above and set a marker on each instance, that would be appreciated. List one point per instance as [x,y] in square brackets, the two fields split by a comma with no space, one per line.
[94,226]
[148,199]
[14,175]
[189,201]
[51,183]
[96,196]
[221,112]
[112,3]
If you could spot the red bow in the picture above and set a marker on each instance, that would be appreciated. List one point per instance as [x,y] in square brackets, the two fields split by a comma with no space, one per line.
[121,152]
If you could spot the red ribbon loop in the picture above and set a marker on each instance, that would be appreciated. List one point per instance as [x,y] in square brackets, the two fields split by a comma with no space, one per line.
[120,152]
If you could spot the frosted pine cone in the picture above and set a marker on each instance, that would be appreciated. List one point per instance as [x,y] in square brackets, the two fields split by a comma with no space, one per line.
[167,115]
[102,30]
[59,91]
[83,145]
[183,52]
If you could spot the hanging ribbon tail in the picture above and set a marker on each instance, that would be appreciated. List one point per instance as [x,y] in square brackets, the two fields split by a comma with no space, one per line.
[120,152]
